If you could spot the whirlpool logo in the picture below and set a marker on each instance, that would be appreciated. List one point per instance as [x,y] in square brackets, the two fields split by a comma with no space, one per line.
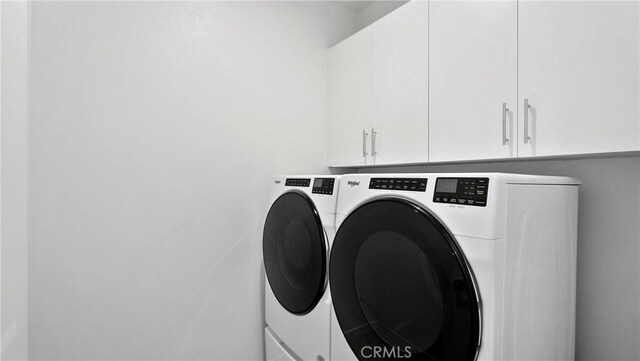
[353,183]
[375,352]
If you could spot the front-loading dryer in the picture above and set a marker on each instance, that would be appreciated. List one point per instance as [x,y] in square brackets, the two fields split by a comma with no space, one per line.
[459,266]
[298,231]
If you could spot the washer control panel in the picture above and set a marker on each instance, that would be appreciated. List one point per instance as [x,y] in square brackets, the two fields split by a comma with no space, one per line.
[399,184]
[323,185]
[463,191]
[297,182]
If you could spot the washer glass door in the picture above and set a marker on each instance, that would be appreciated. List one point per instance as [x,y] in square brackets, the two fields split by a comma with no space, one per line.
[295,252]
[401,287]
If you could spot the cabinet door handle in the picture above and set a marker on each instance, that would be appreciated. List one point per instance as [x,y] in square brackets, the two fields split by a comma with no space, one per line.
[373,142]
[364,143]
[505,110]
[527,106]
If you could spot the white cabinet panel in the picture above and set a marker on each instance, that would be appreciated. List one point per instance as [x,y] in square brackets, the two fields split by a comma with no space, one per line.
[473,71]
[400,85]
[578,69]
[350,100]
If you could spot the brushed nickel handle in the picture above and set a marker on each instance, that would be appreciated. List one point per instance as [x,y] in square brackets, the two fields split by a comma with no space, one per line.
[505,110]
[373,142]
[364,143]
[527,106]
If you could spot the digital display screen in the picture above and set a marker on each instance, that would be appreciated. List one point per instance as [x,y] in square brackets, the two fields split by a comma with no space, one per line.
[317,183]
[447,185]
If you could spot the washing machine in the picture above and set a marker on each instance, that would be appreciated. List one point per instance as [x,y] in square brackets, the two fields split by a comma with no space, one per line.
[298,231]
[460,266]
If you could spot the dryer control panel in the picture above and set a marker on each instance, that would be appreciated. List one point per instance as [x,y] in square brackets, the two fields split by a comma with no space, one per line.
[323,185]
[463,191]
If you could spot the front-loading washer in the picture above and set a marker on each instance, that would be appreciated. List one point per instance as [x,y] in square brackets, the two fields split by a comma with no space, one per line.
[298,231]
[460,266]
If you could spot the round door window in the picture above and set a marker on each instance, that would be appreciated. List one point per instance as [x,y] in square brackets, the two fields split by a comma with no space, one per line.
[295,253]
[401,287]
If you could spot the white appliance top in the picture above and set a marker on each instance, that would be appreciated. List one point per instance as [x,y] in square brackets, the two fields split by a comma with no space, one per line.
[511,178]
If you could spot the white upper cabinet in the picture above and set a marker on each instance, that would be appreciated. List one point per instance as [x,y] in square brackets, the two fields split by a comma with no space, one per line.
[350,101]
[379,99]
[473,79]
[455,80]
[578,72]
[401,85]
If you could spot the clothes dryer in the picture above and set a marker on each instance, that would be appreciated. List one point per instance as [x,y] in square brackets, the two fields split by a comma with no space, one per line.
[458,266]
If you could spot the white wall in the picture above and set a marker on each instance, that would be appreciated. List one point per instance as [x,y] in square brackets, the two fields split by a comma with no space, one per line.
[608,285]
[154,128]
[13,195]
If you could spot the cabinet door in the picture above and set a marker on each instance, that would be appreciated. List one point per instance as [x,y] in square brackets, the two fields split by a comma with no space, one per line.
[578,70]
[350,100]
[400,85]
[473,71]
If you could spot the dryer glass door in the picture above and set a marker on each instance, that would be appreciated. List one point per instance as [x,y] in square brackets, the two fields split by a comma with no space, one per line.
[401,287]
[295,252]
